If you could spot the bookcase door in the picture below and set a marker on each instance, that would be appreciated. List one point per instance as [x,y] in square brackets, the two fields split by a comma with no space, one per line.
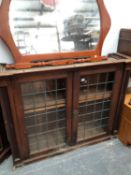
[44,112]
[94,103]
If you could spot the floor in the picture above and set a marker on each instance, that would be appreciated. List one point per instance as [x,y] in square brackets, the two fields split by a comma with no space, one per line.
[106,158]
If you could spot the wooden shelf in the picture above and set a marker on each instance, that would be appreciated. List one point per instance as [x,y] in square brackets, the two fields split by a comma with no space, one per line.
[51,103]
[41,105]
[94,96]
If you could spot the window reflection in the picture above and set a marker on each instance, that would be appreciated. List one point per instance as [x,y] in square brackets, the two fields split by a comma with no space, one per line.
[50,26]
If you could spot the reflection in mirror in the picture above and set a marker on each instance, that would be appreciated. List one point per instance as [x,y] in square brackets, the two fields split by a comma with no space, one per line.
[0,2]
[51,26]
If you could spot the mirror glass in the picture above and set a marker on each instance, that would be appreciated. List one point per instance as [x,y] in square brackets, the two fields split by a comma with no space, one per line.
[53,26]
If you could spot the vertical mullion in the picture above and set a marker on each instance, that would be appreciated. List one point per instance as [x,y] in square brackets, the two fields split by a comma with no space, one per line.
[69,98]
[104,93]
[34,115]
[45,94]
[56,114]
[76,93]
[95,101]
[21,132]
[124,84]
[88,91]
[115,96]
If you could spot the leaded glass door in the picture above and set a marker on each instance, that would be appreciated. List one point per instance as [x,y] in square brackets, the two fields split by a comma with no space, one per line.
[94,104]
[45,102]
[93,110]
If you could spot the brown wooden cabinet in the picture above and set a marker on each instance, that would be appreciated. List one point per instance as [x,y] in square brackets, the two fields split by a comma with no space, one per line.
[73,99]
[125,126]
[124,110]
[54,111]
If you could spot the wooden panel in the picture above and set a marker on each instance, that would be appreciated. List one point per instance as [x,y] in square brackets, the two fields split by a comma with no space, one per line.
[29,77]
[123,88]
[3,82]
[124,43]
[115,99]
[8,121]
[4,144]
[18,117]
[98,68]
[125,126]
[127,107]
[76,92]
[125,131]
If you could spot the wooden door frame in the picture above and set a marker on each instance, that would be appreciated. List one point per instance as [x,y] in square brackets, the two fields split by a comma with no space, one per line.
[8,124]
[20,126]
[118,70]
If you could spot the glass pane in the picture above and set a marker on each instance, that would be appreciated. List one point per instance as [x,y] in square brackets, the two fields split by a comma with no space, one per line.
[48,26]
[45,113]
[94,104]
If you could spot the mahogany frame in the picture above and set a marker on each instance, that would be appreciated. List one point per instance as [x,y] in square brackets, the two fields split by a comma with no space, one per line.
[24,61]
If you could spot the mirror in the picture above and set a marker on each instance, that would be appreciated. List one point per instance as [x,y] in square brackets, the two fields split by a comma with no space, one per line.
[41,31]
[54,26]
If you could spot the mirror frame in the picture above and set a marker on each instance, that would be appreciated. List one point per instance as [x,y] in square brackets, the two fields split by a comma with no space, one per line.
[6,36]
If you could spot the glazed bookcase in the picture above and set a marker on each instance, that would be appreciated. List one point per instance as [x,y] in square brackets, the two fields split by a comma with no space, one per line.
[59,110]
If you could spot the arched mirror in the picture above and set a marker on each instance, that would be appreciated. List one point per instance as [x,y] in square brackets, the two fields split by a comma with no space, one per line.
[53,29]
[51,26]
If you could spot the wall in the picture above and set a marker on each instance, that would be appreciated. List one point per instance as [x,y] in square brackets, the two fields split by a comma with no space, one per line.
[120,14]
[5,54]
